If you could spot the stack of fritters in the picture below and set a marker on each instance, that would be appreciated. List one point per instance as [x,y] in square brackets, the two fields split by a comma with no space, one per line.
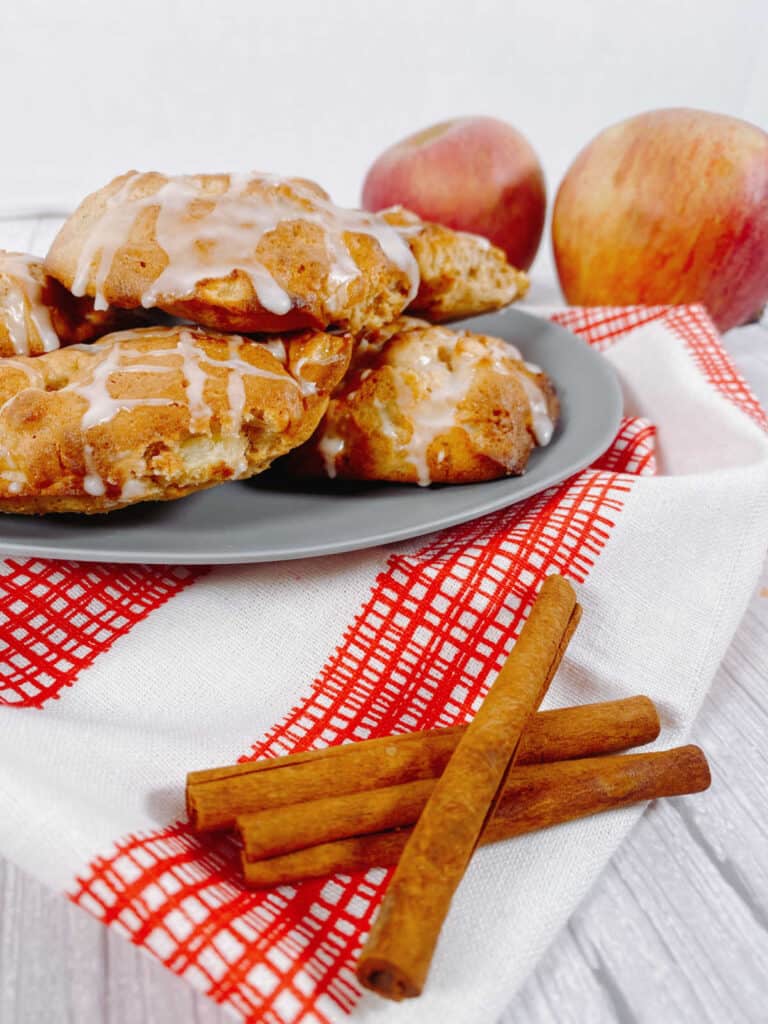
[164,408]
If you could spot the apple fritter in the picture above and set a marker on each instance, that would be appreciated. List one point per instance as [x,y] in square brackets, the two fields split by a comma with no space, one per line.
[425,404]
[234,252]
[37,314]
[460,274]
[154,414]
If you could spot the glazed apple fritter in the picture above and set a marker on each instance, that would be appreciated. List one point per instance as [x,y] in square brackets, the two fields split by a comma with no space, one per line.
[425,404]
[155,414]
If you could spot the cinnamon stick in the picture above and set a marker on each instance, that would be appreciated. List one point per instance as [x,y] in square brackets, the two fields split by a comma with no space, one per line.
[395,959]
[217,796]
[279,830]
[534,798]
[284,829]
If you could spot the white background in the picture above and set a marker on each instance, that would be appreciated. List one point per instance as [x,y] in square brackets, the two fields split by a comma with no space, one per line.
[90,89]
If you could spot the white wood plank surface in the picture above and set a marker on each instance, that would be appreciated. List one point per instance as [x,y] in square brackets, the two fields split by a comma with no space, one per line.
[674,932]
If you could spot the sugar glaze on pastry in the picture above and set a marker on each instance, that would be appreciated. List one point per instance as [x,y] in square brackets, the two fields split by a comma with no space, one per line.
[25,317]
[37,314]
[243,252]
[425,404]
[154,414]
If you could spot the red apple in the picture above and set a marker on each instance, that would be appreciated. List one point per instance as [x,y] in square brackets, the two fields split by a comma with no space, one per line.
[670,206]
[474,174]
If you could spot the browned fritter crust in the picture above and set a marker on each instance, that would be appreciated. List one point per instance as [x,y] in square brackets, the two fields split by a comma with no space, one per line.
[250,240]
[423,404]
[461,275]
[37,314]
[155,414]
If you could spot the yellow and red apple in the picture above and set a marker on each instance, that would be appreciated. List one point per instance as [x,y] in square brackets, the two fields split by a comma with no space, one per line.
[474,174]
[670,206]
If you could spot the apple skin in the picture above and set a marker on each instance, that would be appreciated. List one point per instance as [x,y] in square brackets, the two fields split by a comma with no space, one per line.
[474,174]
[667,207]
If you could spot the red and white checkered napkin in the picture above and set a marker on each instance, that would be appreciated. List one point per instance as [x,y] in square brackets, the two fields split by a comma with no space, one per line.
[116,681]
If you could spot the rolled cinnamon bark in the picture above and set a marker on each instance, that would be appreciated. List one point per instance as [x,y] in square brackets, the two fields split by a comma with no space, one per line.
[285,829]
[582,731]
[395,959]
[217,796]
[534,798]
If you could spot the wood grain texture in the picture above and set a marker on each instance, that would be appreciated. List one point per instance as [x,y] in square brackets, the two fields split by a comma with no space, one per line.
[675,930]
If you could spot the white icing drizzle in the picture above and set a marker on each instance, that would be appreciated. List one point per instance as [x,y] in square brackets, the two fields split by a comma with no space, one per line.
[23,304]
[330,448]
[93,482]
[411,225]
[119,356]
[308,387]
[235,389]
[237,369]
[194,382]
[132,489]
[276,346]
[388,427]
[434,416]
[225,237]
[16,477]
[541,421]
[100,244]
[443,379]
[101,407]
[481,240]
[31,372]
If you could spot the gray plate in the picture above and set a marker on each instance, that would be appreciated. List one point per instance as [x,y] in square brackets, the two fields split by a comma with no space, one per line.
[267,519]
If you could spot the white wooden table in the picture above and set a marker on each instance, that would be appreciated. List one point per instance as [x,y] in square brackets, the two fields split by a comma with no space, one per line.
[675,930]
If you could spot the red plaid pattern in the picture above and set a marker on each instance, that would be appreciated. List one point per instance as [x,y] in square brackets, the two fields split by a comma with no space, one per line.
[420,652]
[693,325]
[633,450]
[601,326]
[57,617]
